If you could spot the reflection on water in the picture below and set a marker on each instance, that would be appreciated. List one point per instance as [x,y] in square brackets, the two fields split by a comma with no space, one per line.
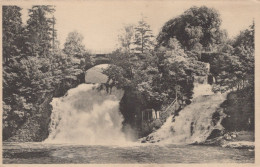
[42,153]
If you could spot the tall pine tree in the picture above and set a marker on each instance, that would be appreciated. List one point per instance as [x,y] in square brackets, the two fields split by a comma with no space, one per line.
[39,30]
[143,37]
[12,32]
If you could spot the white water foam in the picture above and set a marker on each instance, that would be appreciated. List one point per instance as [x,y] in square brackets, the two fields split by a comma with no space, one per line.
[194,122]
[87,116]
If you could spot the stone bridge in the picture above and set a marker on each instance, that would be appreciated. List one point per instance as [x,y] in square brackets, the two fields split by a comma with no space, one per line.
[93,74]
[97,59]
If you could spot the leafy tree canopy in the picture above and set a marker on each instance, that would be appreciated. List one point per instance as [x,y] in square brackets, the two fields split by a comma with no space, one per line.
[197,27]
[74,46]
[234,65]
[126,38]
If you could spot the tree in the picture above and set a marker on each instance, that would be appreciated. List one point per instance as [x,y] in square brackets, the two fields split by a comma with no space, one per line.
[39,30]
[245,51]
[234,65]
[176,68]
[143,37]
[34,71]
[126,38]
[74,46]
[13,115]
[246,37]
[197,26]
[12,32]
[156,75]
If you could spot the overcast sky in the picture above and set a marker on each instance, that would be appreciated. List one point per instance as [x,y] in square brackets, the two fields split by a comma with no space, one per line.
[100,21]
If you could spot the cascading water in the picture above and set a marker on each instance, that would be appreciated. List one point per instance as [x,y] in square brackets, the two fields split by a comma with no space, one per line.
[87,116]
[194,123]
[201,86]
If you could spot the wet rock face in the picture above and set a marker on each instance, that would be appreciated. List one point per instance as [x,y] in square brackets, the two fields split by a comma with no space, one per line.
[215,133]
[149,139]
[240,140]
[239,108]
[131,106]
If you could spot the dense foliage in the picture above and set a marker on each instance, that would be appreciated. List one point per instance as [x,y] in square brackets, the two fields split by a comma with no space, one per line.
[39,31]
[33,65]
[196,28]
[234,65]
[12,32]
[153,78]
[158,76]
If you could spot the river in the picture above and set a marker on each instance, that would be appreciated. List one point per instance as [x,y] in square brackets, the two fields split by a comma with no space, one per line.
[43,153]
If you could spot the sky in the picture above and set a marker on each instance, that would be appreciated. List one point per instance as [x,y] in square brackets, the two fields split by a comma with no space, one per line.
[100,22]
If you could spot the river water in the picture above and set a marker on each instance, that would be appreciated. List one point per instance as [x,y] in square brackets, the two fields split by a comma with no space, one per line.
[43,153]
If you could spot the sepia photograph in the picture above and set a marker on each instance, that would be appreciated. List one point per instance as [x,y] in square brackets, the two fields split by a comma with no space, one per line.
[128,82]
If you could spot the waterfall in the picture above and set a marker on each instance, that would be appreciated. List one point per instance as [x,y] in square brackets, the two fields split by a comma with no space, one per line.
[194,123]
[201,86]
[86,116]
